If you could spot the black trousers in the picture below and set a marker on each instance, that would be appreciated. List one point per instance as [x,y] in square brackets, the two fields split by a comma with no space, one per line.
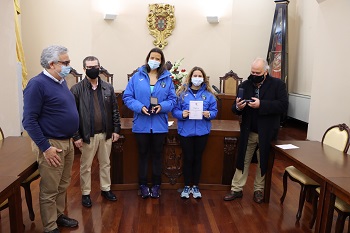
[150,143]
[192,150]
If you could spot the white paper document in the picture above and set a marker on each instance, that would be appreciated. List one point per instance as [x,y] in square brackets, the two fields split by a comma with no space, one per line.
[196,110]
[287,146]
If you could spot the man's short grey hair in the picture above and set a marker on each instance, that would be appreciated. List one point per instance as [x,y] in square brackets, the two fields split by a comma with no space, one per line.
[266,65]
[51,54]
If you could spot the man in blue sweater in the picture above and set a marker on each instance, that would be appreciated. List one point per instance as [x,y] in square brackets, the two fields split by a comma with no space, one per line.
[51,118]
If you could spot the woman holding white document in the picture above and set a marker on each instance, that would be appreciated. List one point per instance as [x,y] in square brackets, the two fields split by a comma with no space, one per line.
[195,108]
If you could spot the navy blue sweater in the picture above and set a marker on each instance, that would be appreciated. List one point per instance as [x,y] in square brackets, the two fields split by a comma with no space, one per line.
[49,111]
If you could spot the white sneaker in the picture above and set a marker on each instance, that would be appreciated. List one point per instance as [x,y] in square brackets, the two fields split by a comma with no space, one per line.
[186,192]
[195,192]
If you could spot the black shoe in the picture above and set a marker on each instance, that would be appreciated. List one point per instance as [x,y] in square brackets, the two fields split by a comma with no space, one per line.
[86,201]
[109,195]
[53,231]
[258,197]
[233,195]
[64,221]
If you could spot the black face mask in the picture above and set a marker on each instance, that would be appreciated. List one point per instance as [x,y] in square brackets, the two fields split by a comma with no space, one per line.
[92,73]
[256,79]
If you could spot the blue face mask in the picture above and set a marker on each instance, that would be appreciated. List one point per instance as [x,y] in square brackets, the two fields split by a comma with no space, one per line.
[64,71]
[153,64]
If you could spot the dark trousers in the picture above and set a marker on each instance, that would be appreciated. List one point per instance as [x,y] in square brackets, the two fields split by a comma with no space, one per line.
[192,150]
[150,143]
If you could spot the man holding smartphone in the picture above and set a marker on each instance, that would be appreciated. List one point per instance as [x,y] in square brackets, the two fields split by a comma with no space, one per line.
[261,101]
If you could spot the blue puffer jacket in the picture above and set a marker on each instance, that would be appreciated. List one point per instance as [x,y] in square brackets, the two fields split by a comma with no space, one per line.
[138,93]
[188,127]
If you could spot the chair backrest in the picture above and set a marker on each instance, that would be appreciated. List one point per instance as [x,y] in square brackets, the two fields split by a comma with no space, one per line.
[229,83]
[337,136]
[1,134]
[106,76]
[131,74]
[73,77]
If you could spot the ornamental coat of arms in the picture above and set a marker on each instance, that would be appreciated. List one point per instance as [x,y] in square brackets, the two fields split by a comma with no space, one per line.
[161,23]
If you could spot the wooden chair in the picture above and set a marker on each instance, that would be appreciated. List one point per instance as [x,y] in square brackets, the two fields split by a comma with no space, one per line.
[73,77]
[229,83]
[131,74]
[26,186]
[337,136]
[28,194]
[106,76]
[124,111]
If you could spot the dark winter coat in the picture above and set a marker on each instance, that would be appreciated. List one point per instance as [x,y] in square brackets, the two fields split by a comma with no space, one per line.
[273,104]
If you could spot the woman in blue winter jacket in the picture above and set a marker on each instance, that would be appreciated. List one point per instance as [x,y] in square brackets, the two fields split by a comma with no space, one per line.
[194,131]
[150,94]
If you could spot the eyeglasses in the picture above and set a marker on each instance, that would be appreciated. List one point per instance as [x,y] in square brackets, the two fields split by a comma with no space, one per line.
[66,63]
[92,67]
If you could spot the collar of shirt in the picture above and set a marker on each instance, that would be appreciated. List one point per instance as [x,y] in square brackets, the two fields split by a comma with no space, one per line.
[52,77]
[259,84]
[93,86]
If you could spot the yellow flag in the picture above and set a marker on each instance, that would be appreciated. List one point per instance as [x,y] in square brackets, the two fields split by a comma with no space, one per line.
[19,48]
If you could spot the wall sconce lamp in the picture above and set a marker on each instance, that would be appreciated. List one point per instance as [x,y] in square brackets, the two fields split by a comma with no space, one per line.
[213,19]
[110,17]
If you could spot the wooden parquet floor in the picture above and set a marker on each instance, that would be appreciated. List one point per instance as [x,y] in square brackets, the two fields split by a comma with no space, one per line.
[171,214]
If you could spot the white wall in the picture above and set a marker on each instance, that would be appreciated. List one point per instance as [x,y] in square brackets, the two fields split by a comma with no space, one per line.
[123,44]
[302,37]
[331,78]
[318,43]
[251,30]
[9,100]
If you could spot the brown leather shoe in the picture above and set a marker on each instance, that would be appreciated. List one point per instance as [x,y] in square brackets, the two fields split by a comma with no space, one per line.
[233,195]
[258,196]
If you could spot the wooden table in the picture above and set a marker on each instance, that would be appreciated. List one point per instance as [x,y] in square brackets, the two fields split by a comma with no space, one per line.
[319,162]
[17,158]
[10,189]
[218,163]
[17,164]
[336,187]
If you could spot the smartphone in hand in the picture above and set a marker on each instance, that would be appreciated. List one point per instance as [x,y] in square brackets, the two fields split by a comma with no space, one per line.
[240,93]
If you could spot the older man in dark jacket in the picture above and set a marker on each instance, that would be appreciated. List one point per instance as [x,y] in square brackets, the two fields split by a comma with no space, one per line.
[263,102]
[99,126]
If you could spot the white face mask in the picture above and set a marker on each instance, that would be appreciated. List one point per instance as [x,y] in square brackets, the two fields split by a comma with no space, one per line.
[153,64]
[197,81]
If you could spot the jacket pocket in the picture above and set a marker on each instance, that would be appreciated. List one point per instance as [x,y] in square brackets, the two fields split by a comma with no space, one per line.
[107,98]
